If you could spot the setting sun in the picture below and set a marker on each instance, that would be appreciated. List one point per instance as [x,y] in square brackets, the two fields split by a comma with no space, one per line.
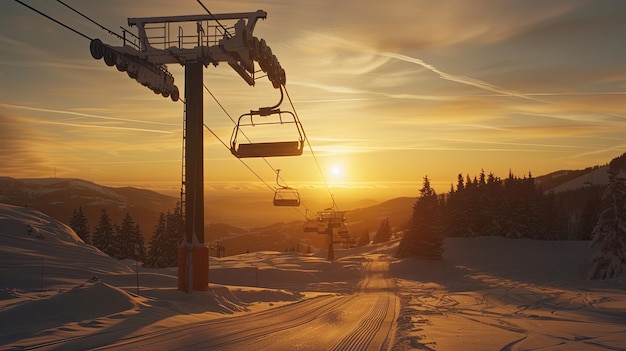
[336,172]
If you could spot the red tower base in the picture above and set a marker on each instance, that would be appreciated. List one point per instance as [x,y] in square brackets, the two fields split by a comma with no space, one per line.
[183,282]
[193,268]
[200,268]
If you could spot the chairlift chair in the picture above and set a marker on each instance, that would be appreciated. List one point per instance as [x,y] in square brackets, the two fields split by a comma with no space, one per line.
[312,226]
[275,117]
[344,232]
[332,216]
[286,196]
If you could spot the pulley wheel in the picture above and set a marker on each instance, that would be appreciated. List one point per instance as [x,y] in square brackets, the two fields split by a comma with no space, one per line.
[96,48]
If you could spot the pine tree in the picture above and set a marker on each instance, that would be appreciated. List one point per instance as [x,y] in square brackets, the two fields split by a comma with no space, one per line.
[588,217]
[139,241]
[609,232]
[104,237]
[156,257]
[78,223]
[363,239]
[130,239]
[124,235]
[120,242]
[175,233]
[384,232]
[423,239]
[167,236]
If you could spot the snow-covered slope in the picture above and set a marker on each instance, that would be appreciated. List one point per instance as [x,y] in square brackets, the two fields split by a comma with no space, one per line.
[39,251]
[57,290]
[486,294]
[598,176]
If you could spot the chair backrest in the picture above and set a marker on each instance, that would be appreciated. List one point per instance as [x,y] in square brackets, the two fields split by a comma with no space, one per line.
[287,202]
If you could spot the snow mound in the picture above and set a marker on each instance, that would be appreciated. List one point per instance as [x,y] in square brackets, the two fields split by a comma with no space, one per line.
[39,251]
[19,220]
[84,303]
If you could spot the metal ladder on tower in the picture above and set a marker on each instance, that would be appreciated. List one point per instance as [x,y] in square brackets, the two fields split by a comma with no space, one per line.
[183,189]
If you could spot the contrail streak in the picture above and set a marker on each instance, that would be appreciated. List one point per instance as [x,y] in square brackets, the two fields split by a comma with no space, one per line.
[105,127]
[82,114]
[460,79]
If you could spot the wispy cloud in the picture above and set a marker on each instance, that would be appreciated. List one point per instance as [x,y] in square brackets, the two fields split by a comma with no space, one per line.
[80,114]
[21,154]
[460,79]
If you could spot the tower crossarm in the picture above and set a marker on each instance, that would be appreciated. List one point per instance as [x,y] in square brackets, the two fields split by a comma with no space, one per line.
[207,39]
[196,38]
[251,16]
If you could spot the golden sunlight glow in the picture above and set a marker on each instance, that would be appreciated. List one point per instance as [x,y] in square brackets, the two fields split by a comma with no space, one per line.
[336,172]
[382,108]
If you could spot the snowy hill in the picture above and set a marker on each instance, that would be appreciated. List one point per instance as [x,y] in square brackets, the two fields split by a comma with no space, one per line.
[35,245]
[562,181]
[565,180]
[487,293]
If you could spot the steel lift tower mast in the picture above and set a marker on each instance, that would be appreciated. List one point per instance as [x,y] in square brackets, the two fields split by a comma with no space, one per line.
[193,41]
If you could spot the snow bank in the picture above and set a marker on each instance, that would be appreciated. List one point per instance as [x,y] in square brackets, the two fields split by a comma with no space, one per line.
[518,259]
[29,313]
[41,252]
[492,293]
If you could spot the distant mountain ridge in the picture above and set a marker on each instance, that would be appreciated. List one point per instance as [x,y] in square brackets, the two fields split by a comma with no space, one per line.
[230,219]
[59,197]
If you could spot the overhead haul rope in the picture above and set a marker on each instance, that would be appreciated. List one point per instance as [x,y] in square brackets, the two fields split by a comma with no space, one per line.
[214,18]
[161,67]
[334,204]
[308,142]
[90,20]
[235,123]
[55,21]
[240,160]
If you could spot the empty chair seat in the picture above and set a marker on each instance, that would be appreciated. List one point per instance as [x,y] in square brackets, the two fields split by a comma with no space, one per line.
[287,202]
[273,149]
[311,226]
[257,144]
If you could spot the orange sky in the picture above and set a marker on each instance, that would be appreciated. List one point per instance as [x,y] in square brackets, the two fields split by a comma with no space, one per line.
[387,94]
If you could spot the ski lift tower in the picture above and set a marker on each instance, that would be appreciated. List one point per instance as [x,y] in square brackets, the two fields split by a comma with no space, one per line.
[193,41]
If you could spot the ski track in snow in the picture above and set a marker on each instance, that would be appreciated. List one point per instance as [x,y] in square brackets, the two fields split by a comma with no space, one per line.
[361,321]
